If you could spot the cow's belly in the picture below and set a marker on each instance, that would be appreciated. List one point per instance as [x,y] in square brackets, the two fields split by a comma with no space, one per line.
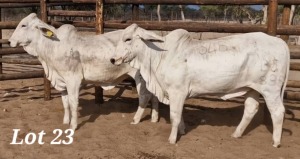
[222,78]
[103,73]
[217,84]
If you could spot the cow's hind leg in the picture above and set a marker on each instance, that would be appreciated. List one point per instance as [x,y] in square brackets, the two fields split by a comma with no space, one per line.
[251,108]
[65,101]
[176,107]
[276,108]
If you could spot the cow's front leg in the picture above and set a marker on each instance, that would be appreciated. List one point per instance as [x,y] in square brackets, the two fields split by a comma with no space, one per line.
[144,96]
[143,101]
[155,104]
[73,93]
[65,101]
[176,107]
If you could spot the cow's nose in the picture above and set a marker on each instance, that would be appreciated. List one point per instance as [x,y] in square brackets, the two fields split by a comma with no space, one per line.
[11,43]
[112,60]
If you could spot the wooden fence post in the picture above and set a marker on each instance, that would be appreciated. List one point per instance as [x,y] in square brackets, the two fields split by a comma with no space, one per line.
[1,69]
[135,12]
[44,17]
[271,30]
[135,17]
[285,20]
[99,30]
[272,17]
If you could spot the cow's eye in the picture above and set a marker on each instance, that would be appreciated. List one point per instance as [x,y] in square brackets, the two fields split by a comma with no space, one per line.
[127,40]
[23,26]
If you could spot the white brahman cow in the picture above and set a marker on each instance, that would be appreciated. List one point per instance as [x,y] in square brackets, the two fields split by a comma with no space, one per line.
[176,67]
[70,59]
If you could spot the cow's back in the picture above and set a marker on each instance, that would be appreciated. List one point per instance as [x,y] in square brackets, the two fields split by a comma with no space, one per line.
[95,54]
[225,64]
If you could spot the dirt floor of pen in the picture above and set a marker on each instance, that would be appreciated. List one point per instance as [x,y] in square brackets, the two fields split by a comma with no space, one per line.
[105,131]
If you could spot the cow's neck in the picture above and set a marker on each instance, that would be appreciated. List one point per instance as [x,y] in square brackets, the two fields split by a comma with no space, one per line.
[44,51]
[148,62]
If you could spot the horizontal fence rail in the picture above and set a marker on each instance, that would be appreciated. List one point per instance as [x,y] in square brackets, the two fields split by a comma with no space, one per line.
[205,27]
[27,75]
[75,23]
[294,84]
[4,41]
[292,95]
[18,5]
[33,1]
[189,26]
[71,13]
[167,26]
[183,2]
[20,61]
[22,5]
[271,28]
[295,66]
[9,51]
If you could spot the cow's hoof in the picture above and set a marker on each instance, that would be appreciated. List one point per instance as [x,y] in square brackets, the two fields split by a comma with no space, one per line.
[172,140]
[154,120]
[134,122]
[236,135]
[73,127]
[181,131]
[276,145]
[66,121]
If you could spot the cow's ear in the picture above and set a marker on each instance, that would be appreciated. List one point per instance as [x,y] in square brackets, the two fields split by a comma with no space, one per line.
[47,32]
[148,35]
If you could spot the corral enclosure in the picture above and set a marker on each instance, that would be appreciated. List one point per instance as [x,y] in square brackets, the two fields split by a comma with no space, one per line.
[105,132]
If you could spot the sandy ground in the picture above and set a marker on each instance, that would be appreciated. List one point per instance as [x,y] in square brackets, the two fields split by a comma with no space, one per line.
[105,131]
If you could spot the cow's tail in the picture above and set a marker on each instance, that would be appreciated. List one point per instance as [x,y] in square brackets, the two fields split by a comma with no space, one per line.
[287,71]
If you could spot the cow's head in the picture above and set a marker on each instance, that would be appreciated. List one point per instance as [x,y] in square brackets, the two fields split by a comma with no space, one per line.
[131,43]
[29,29]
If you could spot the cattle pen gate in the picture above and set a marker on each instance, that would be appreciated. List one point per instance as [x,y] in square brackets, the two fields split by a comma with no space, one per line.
[48,11]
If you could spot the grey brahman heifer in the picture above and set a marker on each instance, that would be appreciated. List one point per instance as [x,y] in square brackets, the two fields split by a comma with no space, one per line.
[176,67]
[70,59]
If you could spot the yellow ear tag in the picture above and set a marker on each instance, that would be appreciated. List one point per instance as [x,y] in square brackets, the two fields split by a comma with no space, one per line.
[49,33]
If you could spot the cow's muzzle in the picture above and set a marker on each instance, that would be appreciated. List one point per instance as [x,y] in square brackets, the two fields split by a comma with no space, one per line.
[11,43]
[116,61]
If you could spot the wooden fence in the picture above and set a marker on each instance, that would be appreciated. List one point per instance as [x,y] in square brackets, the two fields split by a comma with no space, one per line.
[272,27]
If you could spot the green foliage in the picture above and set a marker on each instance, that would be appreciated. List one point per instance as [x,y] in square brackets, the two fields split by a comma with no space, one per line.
[116,11]
[210,11]
[223,12]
